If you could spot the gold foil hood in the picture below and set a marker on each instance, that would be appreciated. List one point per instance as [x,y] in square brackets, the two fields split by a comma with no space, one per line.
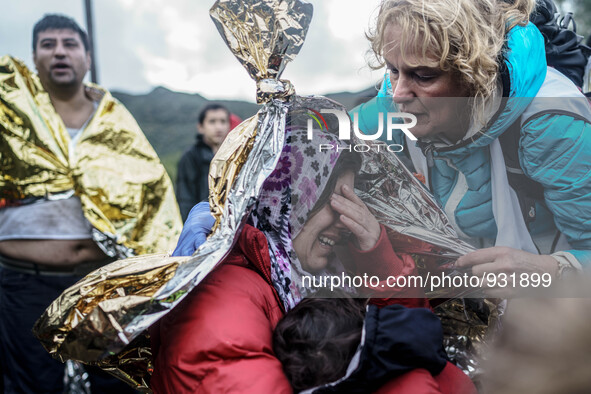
[263,35]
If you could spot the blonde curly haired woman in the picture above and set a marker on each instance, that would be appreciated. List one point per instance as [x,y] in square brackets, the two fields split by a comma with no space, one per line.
[471,71]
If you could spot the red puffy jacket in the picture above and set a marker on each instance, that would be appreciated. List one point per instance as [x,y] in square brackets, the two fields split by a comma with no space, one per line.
[219,338]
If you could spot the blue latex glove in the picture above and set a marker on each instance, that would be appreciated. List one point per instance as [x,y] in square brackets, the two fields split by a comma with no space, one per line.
[195,231]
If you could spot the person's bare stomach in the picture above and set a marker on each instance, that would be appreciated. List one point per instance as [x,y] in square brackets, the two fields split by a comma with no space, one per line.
[52,252]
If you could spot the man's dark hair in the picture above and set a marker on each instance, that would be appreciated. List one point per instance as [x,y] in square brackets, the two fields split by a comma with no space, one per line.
[58,21]
[317,339]
[211,107]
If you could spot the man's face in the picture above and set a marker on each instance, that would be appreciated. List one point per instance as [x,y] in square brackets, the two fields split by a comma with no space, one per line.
[215,127]
[60,58]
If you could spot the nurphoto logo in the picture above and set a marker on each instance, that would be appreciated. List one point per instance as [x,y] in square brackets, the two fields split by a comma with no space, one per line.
[394,121]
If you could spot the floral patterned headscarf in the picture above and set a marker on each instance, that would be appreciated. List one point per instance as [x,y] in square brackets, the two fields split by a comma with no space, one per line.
[288,196]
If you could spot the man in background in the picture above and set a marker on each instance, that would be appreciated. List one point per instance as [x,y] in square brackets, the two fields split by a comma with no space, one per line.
[80,186]
[213,125]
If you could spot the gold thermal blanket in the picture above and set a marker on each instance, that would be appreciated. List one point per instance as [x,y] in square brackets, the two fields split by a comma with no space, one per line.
[125,191]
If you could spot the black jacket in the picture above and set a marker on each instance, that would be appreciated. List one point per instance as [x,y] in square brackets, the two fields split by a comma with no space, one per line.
[397,340]
[192,172]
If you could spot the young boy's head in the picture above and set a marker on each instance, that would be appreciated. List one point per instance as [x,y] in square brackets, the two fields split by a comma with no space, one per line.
[317,339]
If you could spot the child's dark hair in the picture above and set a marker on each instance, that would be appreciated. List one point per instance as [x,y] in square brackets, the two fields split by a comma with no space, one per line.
[317,339]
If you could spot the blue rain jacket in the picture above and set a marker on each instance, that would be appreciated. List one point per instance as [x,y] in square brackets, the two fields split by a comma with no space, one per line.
[555,151]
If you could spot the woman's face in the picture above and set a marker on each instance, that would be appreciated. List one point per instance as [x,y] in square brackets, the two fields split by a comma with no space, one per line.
[435,97]
[321,232]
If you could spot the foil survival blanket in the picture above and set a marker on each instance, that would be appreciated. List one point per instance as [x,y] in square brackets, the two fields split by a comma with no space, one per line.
[102,322]
[125,191]
[95,320]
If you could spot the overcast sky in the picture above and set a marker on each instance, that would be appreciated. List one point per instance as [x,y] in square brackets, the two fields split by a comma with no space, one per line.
[141,44]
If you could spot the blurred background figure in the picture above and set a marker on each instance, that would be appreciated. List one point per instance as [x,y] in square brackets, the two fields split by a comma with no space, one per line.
[213,125]
[545,346]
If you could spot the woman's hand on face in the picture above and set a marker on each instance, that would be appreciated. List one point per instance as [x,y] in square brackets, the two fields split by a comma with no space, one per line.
[355,216]
[504,260]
